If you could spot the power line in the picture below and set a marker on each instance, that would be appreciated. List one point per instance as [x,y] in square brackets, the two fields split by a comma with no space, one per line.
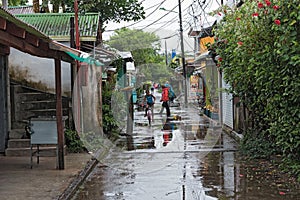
[170,21]
[163,16]
[158,5]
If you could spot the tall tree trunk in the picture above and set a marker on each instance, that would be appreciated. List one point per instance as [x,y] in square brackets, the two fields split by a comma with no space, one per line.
[45,7]
[36,6]
[55,7]
[63,5]
[56,4]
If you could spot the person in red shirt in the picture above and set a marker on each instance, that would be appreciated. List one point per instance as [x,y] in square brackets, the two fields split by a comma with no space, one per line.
[164,99]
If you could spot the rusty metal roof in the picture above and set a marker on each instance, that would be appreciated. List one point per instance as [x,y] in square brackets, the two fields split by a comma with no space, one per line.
[57,25]
[20,9]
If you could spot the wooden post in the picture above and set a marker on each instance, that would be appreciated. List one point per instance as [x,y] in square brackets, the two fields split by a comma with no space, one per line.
[73,71]
[59,120]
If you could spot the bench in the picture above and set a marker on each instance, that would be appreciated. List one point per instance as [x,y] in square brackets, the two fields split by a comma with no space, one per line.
[43,133]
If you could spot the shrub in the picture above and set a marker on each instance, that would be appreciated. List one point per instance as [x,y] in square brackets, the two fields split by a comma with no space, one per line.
[73,142]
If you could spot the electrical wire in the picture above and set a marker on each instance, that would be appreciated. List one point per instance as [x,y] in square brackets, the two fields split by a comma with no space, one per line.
[162,16]
[149,13]
[169,22]
[158,5]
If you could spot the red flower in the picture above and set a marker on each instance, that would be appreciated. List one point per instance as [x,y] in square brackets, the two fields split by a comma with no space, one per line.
[282,193]
[277,21]
[220,59]
[275,7]
[268,2]
[219,14]
[260,5]
[240,43]
[255,15]
[238,18]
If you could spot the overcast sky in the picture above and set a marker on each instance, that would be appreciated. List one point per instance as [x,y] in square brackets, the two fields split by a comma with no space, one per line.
[166,24]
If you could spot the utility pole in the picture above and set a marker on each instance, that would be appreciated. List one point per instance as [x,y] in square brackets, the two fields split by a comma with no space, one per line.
[77,43]
[182,53]
[166,52]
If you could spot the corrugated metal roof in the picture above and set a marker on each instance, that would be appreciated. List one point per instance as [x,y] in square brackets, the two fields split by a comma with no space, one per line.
[20,9]
[57,25]
[56,50]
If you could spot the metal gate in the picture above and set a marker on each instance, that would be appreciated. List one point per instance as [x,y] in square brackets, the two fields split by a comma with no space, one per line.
[227,106]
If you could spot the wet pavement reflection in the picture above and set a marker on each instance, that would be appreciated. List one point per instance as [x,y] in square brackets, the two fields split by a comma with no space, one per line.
[183,157]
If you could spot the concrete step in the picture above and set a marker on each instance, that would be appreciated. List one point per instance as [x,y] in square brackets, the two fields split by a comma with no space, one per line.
[34,96]
[42,104]
[18,143]
[16,133]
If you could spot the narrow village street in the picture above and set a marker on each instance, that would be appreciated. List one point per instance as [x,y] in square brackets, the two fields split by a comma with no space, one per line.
[185,157]
[77,79]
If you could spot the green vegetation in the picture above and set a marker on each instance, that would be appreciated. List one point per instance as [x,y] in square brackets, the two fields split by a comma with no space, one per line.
[127,39]
[73,142]
[259,51]
[115,11]
[110,108]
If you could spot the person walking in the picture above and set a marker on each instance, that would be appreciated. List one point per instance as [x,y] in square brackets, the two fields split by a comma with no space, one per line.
[150,100]
[172,95]
[164,99]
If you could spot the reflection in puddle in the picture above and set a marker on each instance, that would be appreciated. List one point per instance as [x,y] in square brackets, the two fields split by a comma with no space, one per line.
[167,137]
[168,128]
[142,141]
[206,166]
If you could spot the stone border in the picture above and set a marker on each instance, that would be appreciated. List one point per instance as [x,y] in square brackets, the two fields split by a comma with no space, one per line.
[71,190]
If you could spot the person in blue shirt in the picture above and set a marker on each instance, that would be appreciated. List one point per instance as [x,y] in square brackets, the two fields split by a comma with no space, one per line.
[150,100]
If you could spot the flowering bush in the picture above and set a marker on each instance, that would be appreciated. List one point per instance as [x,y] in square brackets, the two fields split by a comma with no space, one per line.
[260,60]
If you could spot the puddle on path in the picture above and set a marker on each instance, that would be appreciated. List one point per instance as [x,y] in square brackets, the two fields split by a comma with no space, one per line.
[187,173]
[219,174]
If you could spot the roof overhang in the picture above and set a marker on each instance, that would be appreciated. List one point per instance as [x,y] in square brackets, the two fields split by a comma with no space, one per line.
[19,35]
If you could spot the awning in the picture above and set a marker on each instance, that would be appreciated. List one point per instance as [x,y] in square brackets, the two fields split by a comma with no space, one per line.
[203,56]
[74,53]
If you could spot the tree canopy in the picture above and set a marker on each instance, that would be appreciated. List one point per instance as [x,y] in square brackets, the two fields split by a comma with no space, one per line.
[143,46]
[114,10]
[130,39]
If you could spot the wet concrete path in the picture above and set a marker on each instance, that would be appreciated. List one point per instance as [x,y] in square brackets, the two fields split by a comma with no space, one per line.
[185,157]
